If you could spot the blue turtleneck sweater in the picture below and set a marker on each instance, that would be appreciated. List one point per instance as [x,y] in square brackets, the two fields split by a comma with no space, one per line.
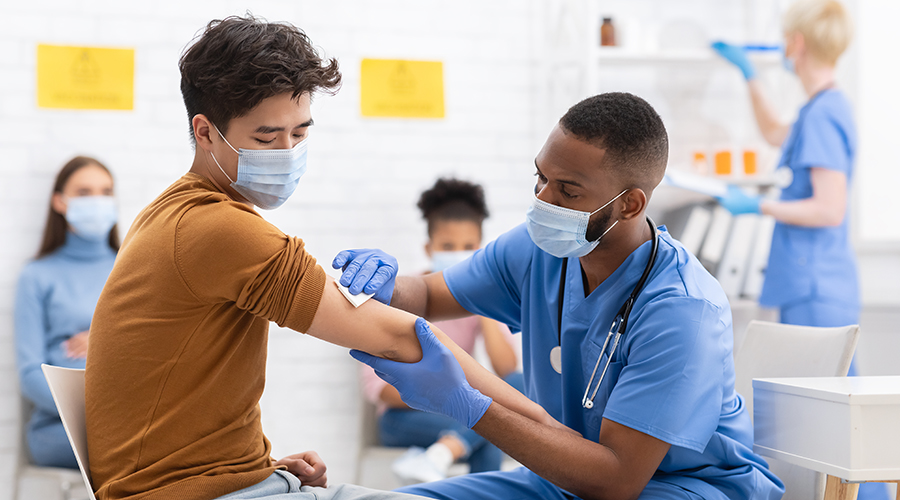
[55,300]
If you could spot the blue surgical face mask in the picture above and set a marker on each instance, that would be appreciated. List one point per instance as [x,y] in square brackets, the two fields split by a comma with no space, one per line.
[443,260]
[562,232]
[91,217]
[787,62]
[267,177]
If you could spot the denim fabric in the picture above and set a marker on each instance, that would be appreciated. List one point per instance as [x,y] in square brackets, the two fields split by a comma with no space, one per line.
[282,485]
[403,427]
[47,442]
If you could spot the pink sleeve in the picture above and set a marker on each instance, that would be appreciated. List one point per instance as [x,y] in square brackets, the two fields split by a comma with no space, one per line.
[371,385]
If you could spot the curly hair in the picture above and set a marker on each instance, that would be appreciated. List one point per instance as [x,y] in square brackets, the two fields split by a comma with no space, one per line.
[239,61]
[631,132]
[453,199]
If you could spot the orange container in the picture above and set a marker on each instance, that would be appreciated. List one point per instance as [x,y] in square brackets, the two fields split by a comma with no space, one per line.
[700,164]
[749,162]
[722,162]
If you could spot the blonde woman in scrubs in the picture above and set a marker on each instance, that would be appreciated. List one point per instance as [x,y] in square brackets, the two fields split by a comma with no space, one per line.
[811,276]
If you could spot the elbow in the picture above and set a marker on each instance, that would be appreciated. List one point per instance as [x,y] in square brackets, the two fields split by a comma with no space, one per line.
[831,217]
[606,491]
[834,220]
[405,348]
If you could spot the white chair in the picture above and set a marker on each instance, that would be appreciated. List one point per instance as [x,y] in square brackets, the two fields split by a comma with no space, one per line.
[67,387]
[771,350]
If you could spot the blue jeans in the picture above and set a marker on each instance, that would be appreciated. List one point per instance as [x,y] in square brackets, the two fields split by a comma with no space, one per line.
[282,485]
[404,427]
[47,442]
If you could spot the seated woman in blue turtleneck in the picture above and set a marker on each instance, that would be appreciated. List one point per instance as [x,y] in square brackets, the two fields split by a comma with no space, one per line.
[57,293]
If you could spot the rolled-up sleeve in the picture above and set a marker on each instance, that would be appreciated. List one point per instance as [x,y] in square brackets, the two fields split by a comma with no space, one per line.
[246,260]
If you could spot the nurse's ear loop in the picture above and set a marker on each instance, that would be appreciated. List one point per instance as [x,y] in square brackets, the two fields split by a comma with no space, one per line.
[619,323]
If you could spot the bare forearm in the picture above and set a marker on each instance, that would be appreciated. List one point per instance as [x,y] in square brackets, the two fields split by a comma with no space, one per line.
[807,213]
[771,127]
[585,468]
[410,295]
[499,351]
[391,397]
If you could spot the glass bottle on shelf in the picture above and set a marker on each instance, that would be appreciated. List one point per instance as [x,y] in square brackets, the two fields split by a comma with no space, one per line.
[607,33]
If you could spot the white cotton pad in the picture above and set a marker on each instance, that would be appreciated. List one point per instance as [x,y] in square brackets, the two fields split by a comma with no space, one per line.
[356,300]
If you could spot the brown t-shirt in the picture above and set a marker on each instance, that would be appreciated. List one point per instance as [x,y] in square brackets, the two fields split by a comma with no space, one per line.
[178,346]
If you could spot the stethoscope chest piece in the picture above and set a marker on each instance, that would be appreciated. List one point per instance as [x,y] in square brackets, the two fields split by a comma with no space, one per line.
[556,359]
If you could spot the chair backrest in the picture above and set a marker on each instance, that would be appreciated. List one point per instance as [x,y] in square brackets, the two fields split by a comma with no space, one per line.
[776,350]
[772,350]
[67,387]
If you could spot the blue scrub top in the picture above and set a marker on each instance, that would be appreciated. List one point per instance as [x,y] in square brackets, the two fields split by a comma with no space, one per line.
[814,262]
[672,376]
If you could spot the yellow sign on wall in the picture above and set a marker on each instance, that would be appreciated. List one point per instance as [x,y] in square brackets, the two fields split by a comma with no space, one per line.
[402,89]
[85,77]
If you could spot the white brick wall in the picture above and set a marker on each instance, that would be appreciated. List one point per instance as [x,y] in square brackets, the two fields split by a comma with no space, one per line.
[505,85]
[364,177]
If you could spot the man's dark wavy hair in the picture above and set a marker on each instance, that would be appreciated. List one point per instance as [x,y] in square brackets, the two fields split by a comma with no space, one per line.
[239,61]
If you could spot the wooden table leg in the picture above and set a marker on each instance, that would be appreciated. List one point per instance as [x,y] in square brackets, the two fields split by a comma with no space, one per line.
[836,490]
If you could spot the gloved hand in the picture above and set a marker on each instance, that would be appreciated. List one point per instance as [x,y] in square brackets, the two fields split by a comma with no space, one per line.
[435,384]
[368,271]
[738,202]
[736,55]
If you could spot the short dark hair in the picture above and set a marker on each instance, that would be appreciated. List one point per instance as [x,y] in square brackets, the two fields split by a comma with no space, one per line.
[453,199]
[239,61]
[56,228]
[631,132]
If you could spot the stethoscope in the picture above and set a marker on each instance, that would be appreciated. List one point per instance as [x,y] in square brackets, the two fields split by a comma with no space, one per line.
[616,331]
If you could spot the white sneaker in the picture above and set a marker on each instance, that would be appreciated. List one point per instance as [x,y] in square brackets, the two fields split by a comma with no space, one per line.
[414,467]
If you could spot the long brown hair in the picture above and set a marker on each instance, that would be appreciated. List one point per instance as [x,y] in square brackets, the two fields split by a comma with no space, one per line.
[55,230]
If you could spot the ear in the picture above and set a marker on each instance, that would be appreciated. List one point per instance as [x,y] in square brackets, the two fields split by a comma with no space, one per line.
[428,249]
[57,204]
[799,45]
[635,201]
[203,131]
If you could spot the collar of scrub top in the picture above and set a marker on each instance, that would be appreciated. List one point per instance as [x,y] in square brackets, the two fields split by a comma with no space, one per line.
[801,120]
[617,330]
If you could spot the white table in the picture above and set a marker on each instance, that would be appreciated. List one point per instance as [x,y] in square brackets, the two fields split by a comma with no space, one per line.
[845,427]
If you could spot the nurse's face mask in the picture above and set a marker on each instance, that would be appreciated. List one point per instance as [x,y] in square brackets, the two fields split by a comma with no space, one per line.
[267,177]
[562,232]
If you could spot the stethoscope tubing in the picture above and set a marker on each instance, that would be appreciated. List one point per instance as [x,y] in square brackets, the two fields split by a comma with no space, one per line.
[617,329]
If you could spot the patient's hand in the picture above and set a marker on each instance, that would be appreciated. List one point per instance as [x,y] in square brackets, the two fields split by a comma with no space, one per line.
[77,345]
[308,467]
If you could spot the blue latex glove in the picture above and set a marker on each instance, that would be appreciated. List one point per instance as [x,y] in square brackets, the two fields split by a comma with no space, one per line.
[738,202]
[737,56]
[435,384]
[368,271]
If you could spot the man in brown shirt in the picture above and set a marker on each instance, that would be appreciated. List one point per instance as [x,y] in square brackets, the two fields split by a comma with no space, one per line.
[178,340]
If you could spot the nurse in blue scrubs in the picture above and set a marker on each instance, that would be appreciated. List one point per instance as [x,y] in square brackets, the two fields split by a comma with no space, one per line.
[665,421]
[811,276]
